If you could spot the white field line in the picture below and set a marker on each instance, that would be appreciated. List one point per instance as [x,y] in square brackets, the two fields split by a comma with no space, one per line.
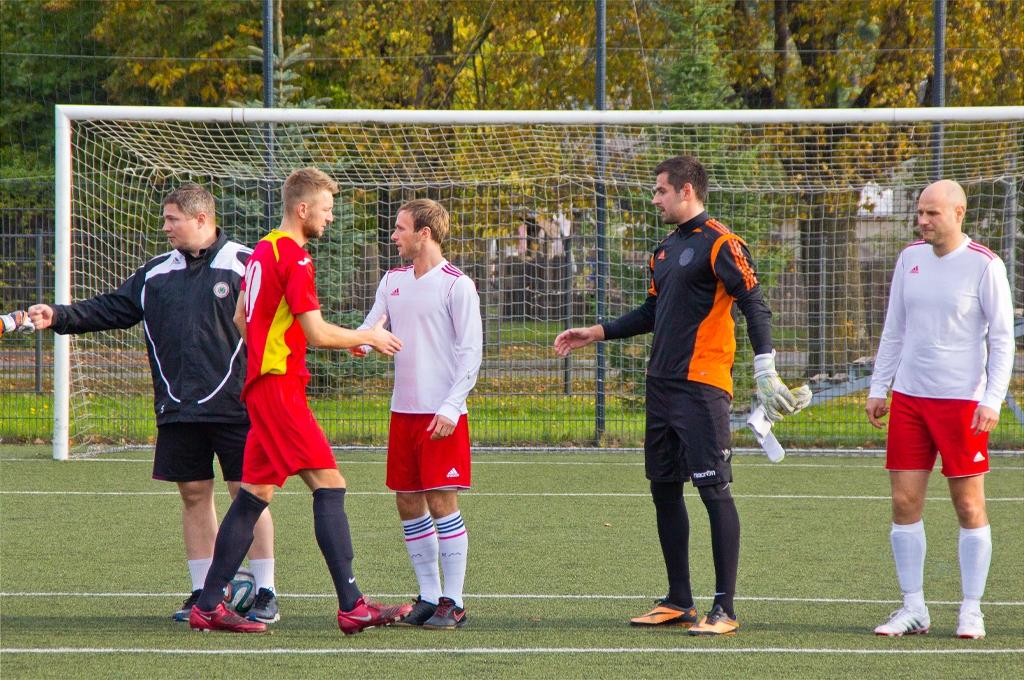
[538,494]
[503,651]
[524,596]
[639,463]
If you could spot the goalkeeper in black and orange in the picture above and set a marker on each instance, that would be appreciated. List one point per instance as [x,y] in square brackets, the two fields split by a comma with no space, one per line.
[696,274]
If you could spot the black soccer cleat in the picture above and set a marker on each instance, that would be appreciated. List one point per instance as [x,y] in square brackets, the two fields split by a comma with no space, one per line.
[420,614]
[186,607]
[264,608]
[447,616]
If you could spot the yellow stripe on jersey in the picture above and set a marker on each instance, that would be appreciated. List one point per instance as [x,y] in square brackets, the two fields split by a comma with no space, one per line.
[276,351]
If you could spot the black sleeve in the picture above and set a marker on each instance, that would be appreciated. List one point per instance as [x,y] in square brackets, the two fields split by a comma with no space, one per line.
[119,309]
[735,269]
[635,322]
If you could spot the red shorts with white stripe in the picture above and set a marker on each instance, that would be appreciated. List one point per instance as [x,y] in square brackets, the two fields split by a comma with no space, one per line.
[418,463]
[284,437]
[921,427]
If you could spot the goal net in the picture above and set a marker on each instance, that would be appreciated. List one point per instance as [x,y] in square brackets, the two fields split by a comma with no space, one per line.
[551,217]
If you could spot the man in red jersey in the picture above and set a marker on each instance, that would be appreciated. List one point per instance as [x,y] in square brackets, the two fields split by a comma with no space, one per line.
[277,314]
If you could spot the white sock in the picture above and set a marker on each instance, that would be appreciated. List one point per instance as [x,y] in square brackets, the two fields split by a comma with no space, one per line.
[454,547]
[908,550]
[975,558]
[421,542]
[197,570]
[263,573]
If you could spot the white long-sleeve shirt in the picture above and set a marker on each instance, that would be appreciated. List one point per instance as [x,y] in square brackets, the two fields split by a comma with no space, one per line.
[437,318]
[949,327]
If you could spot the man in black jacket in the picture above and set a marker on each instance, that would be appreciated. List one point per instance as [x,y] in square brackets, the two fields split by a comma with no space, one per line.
[185,300]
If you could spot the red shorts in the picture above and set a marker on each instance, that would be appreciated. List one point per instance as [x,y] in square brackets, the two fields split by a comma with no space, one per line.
[284,437]
[418,463]
[921,427]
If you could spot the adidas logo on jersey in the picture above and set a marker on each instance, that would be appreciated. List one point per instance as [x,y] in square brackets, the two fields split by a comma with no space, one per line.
[915,270]
[394,293]
[452,474]
[978,457]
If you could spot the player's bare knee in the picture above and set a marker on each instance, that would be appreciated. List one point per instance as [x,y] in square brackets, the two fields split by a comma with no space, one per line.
[907,507]
[442,502]
[411,505]
[971,512]
[196,494]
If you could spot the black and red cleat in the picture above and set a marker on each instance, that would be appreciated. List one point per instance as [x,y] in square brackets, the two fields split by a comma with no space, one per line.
[223,619]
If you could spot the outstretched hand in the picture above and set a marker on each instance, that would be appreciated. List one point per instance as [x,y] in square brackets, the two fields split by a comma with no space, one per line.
[381,339]
[41,316]
[573,338]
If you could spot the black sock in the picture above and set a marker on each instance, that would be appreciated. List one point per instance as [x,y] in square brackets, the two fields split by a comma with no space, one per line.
[674,534]
[233,540]
[332,535]
[725,542]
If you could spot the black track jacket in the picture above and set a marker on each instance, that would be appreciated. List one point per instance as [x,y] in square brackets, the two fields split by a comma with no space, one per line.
[186,305]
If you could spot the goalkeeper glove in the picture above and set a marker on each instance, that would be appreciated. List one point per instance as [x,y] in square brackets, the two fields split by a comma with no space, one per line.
[772,394]
[16,322]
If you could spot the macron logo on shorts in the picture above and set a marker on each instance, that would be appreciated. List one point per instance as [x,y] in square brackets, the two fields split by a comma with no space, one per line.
[452,474]
[978,457]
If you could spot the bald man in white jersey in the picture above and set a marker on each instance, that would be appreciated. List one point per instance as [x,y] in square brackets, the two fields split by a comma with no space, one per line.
[435,310]
[947,351]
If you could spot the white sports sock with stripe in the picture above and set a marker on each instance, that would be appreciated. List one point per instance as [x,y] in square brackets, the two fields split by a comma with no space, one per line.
[454,545]
[421,542]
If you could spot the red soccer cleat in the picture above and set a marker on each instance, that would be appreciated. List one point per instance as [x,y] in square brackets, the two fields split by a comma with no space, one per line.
[367,614]
[222,619]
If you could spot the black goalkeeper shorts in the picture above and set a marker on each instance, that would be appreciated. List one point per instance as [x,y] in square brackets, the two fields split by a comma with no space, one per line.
[184,451]
[688,435]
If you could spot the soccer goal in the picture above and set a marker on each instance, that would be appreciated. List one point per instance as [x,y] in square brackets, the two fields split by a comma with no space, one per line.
[552,219]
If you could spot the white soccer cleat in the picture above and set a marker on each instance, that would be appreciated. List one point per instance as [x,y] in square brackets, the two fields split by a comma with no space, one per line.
[905,621]
[970,626]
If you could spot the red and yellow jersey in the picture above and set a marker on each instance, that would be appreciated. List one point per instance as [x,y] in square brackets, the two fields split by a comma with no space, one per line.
[280,283]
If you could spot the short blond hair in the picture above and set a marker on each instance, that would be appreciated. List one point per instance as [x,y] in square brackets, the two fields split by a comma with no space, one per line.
[192,199]
[302,185]
[428,213]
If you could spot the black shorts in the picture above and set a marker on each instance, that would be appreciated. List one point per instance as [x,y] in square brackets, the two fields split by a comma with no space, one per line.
[184,451]
[688,433]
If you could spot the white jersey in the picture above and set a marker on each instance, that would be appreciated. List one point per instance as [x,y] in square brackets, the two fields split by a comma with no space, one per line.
[949,326]
[437,318]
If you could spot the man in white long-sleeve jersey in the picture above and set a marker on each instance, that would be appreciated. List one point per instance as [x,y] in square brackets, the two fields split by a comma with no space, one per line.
[947,350]
[435,310]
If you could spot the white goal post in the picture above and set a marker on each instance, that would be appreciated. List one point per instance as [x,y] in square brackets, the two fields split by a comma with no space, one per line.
[551,217]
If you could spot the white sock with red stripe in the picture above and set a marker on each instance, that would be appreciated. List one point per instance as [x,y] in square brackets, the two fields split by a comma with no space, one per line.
[454,543]
[421,542]
[908,550]
[975,558]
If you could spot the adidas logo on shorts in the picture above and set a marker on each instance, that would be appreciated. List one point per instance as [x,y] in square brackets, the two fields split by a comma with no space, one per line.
[452,474]
[394,293]
[978,457]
